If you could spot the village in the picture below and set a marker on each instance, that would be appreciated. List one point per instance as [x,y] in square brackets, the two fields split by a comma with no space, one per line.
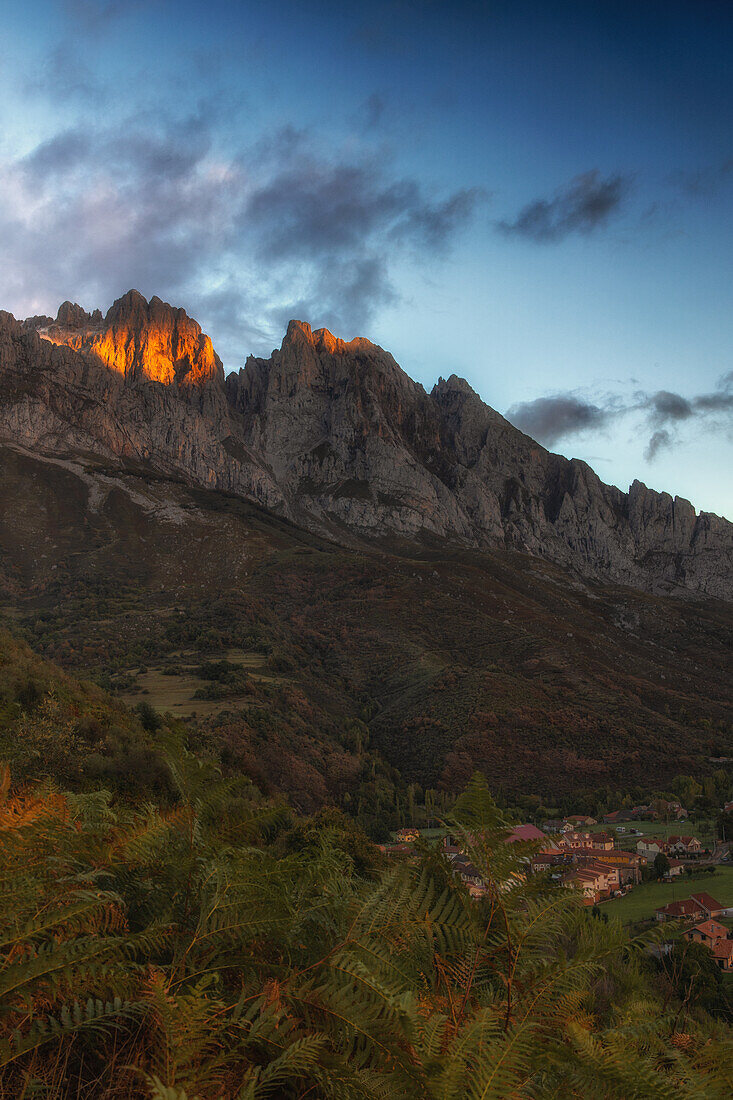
[605,861]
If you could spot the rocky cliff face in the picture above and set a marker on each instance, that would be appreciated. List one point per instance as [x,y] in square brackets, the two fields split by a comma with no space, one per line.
[336,436]
[141,386]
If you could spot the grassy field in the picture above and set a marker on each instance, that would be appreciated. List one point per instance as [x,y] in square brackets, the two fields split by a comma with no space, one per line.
[644,899]
[177,693]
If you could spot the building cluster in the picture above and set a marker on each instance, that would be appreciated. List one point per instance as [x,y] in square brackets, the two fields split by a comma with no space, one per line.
[703,910]
[589,861]
[674,847]
[654,811]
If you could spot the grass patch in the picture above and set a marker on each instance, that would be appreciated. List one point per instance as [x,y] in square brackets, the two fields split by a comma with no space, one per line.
[643,900]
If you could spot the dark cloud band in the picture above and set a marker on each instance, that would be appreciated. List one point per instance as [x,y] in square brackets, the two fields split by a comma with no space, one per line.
[588,202]
[561,416]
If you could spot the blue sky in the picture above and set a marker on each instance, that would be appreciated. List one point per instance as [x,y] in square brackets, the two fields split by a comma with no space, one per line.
[538,197]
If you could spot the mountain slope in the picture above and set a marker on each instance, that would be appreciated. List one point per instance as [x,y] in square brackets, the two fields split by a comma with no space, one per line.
[436,660]
[336,437]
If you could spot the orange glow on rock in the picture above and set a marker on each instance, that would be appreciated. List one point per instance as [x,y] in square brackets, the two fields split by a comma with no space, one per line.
[145,342]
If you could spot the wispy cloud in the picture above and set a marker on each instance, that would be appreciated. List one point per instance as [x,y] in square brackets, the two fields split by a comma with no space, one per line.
[561,416]
[705,181]
[585,204]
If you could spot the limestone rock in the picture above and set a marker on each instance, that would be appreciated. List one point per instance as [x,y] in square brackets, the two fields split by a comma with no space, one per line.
[335,436]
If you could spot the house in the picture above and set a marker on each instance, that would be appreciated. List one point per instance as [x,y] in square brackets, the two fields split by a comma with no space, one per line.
[595,882]
[469,875]
[676,867]
[627,864]
[407,836]
[547,861]
[681,910]
[651,846]
[554,825]
[575,821]
[618,816]
[397,849]
[597,841]
[572,839]
[586,882]
[714,936]
[603,841]
[700,906]
[723,954]
[608,876]
[688,846]
[707,933]
[712,907]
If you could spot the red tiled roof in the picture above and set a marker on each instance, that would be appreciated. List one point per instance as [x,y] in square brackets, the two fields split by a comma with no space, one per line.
[707,901]
[723,949]
[712,929]
[525,832]
[685,908]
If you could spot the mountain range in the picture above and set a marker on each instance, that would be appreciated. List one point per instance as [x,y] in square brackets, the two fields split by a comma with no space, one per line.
[337,438]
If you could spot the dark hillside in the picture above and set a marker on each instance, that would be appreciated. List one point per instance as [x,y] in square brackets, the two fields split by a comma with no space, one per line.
[316,669]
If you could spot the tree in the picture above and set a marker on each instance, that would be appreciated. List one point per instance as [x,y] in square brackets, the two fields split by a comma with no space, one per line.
[725,825]
[697,979]
[661,864]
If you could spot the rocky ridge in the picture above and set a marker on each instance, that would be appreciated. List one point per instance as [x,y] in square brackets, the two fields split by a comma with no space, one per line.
[336,437]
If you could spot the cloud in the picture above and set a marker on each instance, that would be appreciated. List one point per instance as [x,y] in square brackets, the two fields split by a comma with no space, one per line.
[659,440]
[705,182]
[585,204]
[721,401]
[64,76]
[666,411]
[548,419]
[564,415]
[665,407]
[370,113]
[244,239]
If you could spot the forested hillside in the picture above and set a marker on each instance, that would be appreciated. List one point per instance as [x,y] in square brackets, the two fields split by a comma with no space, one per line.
[349,674]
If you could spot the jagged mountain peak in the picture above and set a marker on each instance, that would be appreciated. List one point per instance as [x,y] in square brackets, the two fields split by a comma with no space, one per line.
[72,315]
[130,307]
[334,435]
[323,340]
[453,384]
[141,340]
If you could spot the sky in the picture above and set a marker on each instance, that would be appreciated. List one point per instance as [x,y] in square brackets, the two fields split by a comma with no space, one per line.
[536,197]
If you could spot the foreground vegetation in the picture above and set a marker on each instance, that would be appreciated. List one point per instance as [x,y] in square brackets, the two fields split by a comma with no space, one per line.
[213,946]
